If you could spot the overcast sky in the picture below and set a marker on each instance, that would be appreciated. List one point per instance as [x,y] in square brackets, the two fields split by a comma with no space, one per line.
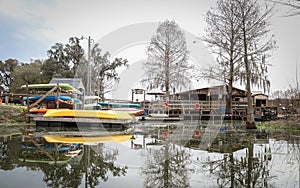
[30,27]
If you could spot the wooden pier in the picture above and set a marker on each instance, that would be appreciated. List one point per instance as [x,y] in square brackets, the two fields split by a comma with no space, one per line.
[195,110]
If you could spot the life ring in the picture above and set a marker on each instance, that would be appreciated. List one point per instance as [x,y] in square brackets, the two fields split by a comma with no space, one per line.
[197,106]
[165,104]
[165,134]
[197,133]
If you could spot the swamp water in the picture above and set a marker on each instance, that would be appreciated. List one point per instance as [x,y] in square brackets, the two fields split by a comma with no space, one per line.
[157,154]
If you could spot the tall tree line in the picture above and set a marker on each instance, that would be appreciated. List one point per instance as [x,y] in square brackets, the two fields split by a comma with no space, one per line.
[64,61]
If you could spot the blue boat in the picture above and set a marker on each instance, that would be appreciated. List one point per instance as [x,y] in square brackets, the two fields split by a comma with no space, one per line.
[51,98]
[119,105]
[49,146]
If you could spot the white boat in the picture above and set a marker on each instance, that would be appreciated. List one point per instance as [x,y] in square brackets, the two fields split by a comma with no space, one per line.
[91,103]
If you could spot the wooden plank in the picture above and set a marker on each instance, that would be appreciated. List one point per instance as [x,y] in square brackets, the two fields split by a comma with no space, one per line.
[42,98]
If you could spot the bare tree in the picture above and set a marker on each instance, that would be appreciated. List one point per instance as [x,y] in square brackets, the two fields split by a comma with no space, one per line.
[257,45]
[293,4]
[224,39]
[167,64]
[237,32]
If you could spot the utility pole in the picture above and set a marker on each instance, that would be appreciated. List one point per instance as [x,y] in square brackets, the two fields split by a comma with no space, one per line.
[89,68]
[89,71]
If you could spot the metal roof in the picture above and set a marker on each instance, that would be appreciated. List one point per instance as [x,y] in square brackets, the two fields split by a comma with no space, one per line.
[74,82]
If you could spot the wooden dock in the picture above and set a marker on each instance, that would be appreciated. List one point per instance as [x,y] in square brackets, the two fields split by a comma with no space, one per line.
[196,110]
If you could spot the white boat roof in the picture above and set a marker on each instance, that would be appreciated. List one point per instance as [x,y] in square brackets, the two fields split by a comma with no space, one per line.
[91,97]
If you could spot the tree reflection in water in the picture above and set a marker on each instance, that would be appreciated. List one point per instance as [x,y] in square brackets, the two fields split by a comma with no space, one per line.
[238,159]
[93,165]
[167,166]
[241,171]
[61,175]
[99,163]
[8,153]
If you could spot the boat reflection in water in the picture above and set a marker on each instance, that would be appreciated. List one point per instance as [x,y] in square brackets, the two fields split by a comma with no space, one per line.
[73,159]
[39,150]
[152,154]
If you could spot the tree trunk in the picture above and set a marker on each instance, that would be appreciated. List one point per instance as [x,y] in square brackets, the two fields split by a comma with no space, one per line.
[101,89]
[250,124]
[231,73]
[229,101]
[249,180]
[166,166]
[167,68]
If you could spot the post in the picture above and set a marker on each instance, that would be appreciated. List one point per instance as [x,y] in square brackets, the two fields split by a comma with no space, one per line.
[132,95]
[89,68]
[144,103]
[27,105]
[57,96]
[27,95]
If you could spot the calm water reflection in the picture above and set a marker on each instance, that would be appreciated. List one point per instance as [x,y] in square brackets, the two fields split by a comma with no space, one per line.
[182,154]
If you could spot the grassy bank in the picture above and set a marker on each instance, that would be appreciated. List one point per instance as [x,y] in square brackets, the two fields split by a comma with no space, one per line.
[280,125]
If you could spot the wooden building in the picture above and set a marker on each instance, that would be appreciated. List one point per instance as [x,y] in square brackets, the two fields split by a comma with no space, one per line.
[260,100]
[210,102]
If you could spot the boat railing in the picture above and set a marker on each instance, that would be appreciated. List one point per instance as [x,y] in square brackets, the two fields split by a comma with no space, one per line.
[187,104]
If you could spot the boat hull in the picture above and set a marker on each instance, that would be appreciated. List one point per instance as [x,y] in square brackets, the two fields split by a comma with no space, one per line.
[78,124]
[131,111]
[100,120]
[38,110]
[119,105]
[47,86]
[100,114]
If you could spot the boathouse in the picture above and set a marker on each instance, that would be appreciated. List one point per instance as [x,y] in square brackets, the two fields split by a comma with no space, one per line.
[204,103]
[208,102]
[214,93]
